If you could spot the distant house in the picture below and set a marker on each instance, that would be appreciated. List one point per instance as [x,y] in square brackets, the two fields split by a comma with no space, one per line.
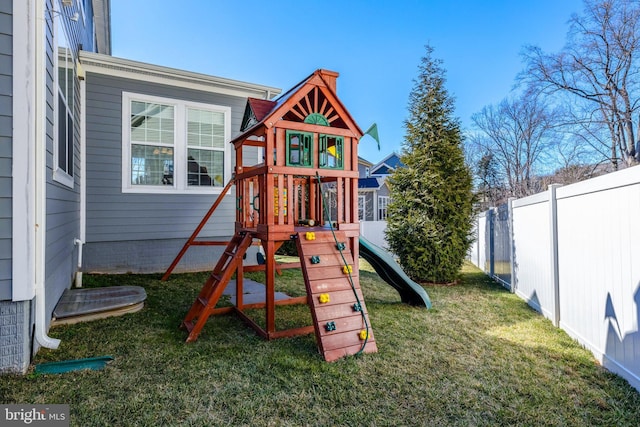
[106,164]
[373,190]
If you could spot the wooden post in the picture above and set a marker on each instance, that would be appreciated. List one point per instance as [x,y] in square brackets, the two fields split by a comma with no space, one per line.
[269,249]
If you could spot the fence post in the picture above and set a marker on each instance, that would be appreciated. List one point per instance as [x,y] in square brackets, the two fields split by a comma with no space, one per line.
[490,221]
[555,274]
[512,266]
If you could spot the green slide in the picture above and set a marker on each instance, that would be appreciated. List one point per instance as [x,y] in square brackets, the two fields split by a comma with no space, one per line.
[389,270]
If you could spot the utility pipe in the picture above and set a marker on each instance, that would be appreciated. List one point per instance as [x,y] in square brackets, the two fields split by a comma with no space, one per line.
[78,280]
[40,185]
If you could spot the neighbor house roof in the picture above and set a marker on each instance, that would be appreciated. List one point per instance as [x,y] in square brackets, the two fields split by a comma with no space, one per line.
[387,165]
[368,183]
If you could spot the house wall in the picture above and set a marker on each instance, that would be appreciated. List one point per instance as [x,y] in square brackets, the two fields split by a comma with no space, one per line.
[134,232]
[35,22]
[14,316]
[62,202]
[6,141]
[362,170]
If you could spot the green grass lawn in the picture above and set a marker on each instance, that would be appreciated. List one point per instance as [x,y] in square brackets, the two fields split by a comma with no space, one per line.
[480,357]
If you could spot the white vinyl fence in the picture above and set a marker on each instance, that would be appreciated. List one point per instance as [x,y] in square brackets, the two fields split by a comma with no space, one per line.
[573,253]
[373,231]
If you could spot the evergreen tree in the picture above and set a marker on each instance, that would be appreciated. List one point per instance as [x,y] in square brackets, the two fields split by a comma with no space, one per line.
[429,218]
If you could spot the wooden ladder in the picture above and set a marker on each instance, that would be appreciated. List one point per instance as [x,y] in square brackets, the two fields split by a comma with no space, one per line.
[210,293]
[338,317]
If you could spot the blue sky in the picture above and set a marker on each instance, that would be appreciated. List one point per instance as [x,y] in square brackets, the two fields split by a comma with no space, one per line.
[376,46]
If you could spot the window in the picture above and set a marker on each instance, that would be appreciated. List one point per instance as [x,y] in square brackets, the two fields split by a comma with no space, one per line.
[174,146]
[383,203]
[299,149]
[63,151]
[205,147]
[331,150]
[362,209]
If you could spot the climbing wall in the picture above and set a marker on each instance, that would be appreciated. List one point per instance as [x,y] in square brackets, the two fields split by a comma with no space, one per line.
[340,318]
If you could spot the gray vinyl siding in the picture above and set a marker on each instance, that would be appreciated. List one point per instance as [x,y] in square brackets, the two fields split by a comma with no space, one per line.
[6,141]
[114,216]
[63,203]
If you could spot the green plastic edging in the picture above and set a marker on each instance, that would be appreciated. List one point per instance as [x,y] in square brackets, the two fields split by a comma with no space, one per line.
[94,363]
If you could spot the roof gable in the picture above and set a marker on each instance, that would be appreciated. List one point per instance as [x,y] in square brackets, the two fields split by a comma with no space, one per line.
[387,165]
[312,101]
[255,110]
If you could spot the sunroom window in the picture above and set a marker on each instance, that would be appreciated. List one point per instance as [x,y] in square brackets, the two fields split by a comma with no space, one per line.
[152,140]
[174,146]
[331,151]
[205,147]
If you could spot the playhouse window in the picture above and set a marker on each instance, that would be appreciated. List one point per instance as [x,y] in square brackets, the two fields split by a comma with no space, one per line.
[299,149]
[331,152]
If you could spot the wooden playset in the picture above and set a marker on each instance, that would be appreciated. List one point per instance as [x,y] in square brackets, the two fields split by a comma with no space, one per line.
[304,188]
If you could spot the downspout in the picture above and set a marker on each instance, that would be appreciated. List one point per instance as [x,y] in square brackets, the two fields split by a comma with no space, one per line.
[78,279]
[83,176]
[40,185]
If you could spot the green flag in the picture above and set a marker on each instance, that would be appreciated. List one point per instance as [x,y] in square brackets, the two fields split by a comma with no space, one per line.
[373,132]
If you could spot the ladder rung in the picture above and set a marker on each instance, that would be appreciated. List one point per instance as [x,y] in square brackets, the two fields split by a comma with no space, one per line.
[229,253]
[203,301]
[187,325]
[216,277]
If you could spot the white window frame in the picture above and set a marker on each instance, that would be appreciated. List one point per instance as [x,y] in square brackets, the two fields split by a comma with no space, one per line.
[383,204]
[180,162]
[362,199]
[60,175]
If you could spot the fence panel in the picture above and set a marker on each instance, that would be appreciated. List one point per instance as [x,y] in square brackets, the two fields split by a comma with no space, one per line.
[502,245]
[575,252]
[473,253]
[373,231]
[599,271]
[532,253]
[484,237]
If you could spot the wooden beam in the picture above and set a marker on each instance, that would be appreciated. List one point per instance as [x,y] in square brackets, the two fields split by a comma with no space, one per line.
[308,127]
[306,101]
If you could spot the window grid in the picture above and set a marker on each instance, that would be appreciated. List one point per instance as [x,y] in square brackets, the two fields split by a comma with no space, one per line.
[174,145]
[383,203]
[65,118]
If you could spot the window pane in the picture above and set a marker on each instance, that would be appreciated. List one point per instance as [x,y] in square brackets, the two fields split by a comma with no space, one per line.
[294,150]
[151,122]
[62,134]
[151,165]
[331,151]
[69,143]
[299,149]
[206,168]
[65,105]
[383,202]
[205,128]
